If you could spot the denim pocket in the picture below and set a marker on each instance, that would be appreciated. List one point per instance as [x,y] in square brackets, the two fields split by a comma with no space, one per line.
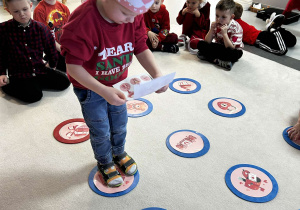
[82,95]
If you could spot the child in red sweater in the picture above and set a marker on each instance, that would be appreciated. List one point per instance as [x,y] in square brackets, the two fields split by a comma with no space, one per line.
[55,15]
[99,43]
[157,23]
[194,18]
[274,40]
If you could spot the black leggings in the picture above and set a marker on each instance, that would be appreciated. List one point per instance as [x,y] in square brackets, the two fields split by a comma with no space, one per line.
[276,42]
[29,90]
[214,51]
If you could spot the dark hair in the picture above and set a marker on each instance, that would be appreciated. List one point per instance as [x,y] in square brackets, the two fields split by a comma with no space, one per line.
[224,5]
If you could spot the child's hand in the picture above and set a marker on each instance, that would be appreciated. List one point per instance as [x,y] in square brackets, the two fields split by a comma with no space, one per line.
[224,29]
[213,25]
[152,37]
[185,10]
[196,13]
[3,80]
[163,89]
[154,44]
[113,96]
[53,33]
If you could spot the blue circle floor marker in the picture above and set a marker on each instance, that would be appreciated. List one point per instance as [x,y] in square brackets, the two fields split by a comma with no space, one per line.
[96,183]
[139,107]
[251,183]
[288,140]
[185,85]
[226,107]
[187,143]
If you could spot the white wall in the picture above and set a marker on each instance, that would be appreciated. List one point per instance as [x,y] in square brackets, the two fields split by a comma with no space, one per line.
[274,3]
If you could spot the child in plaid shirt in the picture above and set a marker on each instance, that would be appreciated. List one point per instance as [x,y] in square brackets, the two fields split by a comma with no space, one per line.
[23,74]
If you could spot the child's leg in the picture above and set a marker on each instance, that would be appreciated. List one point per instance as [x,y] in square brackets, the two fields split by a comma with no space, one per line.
[61,63]
[291,5]
[26,90]
[118,118]
[54,80]
[95,110]
[193,43]
[207,50]
[169,44]
[271,42]
[171,38]
[212,51]
[289,39]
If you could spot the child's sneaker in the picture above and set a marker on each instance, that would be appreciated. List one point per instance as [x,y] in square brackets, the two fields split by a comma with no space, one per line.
[172,48]
[182,40]
[225,64]
[191,50]
[126,164]
[274,22]
[110,174]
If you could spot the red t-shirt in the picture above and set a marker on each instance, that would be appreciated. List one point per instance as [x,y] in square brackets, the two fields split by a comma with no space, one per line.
[250,33]
[234,32]
[159,21]
[105,50]
[54,16]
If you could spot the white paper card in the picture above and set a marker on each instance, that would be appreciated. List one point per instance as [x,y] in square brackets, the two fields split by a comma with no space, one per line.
[137,86]
[126,85]
[152,86]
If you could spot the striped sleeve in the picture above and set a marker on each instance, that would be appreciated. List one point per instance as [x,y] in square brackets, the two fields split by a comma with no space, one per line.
[236,35]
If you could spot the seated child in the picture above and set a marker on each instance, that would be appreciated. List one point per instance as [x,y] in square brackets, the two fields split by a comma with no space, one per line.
[275,40]
[194,18]
[294,132]
[157,23]
[228,35]
[23,41]
[99,42]
[54,15]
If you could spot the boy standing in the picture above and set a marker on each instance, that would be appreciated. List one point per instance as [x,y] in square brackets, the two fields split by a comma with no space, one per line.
[99,42]
[228,35]
[274,40]
[54,15]
[23,41]
[157,22]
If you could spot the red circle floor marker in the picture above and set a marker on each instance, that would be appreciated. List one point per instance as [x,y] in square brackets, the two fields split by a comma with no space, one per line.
[72,131]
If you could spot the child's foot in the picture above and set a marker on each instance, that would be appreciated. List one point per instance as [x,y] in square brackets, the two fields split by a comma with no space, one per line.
[225,64]
[274,22]
[294,133]
[191,50]
[111,176]
[172,48]
[182,40]
[200,56]
[126,164]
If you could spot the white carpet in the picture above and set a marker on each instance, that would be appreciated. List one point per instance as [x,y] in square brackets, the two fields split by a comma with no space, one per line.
[38,172]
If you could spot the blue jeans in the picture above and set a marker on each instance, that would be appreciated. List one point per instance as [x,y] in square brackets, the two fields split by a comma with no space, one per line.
[107,124]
